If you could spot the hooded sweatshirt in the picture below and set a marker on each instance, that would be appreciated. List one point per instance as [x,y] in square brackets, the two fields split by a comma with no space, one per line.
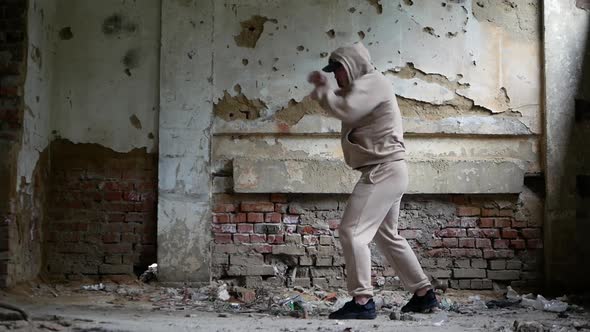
[371,120]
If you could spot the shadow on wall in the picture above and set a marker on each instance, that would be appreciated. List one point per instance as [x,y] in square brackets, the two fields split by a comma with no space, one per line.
[567,225]
[581,154]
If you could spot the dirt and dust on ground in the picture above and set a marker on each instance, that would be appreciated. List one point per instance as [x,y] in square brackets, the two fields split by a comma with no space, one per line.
[132,305]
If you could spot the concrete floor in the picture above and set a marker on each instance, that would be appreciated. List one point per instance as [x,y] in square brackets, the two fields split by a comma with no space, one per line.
[75,310]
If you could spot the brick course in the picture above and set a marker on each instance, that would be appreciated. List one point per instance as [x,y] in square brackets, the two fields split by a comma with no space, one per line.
[102,211]
[13,47]
[467,248]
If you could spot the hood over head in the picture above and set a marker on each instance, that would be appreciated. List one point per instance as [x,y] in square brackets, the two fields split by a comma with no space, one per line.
[355,58]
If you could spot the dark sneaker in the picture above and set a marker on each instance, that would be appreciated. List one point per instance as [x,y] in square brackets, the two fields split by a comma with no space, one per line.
[352,310]
[425,303]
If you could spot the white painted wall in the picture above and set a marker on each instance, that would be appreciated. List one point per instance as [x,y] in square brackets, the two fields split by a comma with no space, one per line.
[93,96]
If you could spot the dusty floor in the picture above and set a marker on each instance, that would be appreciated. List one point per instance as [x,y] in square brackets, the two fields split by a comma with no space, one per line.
[139,307]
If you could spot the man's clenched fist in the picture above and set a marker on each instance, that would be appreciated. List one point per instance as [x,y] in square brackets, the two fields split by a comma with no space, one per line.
[316,78]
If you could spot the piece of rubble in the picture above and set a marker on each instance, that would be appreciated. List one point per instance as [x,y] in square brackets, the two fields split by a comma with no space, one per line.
[402,316]
[379,302]
[245,295]
[541,303]
[150,274]
[528,327]
[9,312]
[50,326]
[332,297]
[296,306]
[95,287]
[477,302]
[222,293]
[437,284]
[581,325]
[511,294]
[440,318]
[10,316]
[503,303]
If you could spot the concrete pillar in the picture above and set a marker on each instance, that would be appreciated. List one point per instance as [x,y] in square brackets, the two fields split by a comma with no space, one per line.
[184,152]
[565,44]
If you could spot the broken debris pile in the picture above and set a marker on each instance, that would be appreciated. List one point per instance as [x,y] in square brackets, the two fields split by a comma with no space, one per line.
[297,302]
[150,274]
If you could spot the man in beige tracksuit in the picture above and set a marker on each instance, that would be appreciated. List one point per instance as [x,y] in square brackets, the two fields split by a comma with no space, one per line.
[372,142]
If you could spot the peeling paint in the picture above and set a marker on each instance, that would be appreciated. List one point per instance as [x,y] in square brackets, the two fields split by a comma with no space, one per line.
[251,31]
[424,110]
[295,111]
[456,102]
[238,107]
[409,71]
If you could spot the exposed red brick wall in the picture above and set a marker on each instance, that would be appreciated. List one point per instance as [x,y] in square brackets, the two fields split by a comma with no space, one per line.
[13,31]
[102,211]
[469,242]
[12,69]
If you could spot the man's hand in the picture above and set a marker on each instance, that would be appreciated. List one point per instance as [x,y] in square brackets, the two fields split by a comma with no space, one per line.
[316,78]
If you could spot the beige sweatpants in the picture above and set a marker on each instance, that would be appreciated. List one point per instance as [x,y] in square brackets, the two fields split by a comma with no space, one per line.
[372,213]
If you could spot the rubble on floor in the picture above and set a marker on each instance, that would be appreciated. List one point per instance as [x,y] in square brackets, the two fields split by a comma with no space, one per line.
[228,298]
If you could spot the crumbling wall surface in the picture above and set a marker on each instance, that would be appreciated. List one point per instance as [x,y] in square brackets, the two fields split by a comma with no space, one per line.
[476,58]
[33,163]
[184,154]
[466,74]
[464,241]
[104,108]
[467,79]
[12,76]
[106,73]
[567,100]
[101,211]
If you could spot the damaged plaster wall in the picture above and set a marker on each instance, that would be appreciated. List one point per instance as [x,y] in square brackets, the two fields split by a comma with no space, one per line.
[91,77]
[458,68]
[106,73]
[464,57]
[33,165]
